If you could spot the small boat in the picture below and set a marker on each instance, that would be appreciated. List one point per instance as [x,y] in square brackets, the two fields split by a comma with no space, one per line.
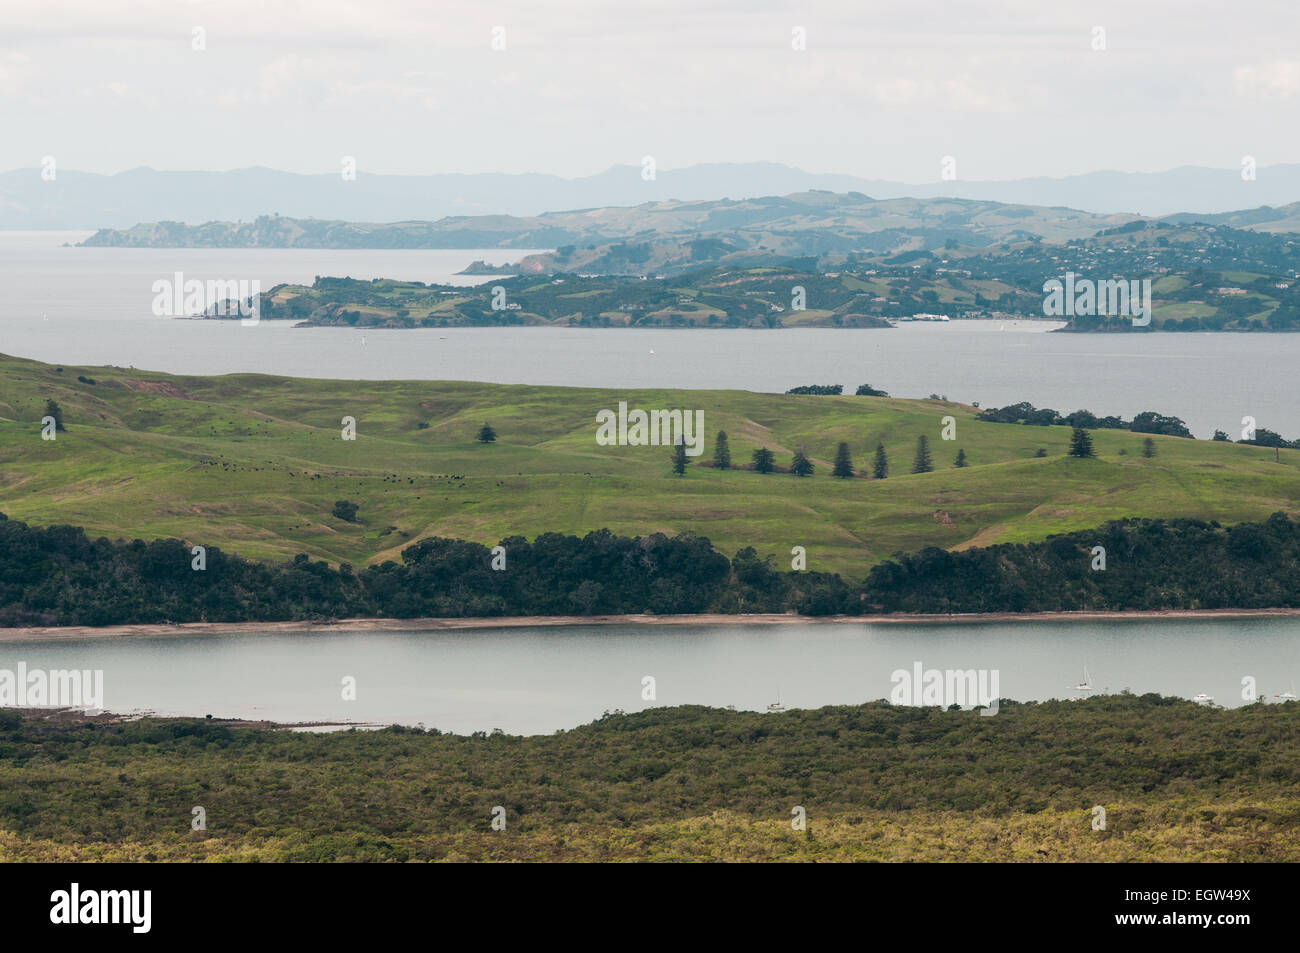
[776,705]
[1201,698]
[1289,696]
[1086,684]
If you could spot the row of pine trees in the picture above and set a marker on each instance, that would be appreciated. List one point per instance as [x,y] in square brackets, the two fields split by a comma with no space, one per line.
[764,461]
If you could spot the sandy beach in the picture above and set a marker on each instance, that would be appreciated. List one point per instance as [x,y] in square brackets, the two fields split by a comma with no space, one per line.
[72,633]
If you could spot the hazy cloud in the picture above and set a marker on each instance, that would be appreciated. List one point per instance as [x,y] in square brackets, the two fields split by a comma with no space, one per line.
[1011,88]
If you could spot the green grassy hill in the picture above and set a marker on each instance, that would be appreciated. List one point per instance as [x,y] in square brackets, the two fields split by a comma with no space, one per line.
[254,463]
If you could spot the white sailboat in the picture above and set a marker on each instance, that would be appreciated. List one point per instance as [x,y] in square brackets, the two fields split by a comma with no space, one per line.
[1086,684]
[1289,696]
[776,705]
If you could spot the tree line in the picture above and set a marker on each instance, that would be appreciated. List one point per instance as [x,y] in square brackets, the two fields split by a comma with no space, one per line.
[1147,422]
[832,390]
[60,576]
[1026,413]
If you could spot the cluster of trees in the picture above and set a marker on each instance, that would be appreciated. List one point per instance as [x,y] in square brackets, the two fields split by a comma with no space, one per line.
[1149,564]
[1026,413]
[59,576]
[823,389]
[864,390]
[1263,438]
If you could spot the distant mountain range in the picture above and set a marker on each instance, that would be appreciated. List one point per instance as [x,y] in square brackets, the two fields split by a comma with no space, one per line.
[81,200]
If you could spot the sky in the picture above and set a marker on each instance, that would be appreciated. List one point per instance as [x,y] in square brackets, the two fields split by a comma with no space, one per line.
[1010,89]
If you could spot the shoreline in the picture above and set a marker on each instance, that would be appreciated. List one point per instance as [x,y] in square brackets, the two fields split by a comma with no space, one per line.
[77,633]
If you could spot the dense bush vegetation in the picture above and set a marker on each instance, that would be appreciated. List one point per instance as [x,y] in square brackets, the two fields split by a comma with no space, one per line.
[881,782]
